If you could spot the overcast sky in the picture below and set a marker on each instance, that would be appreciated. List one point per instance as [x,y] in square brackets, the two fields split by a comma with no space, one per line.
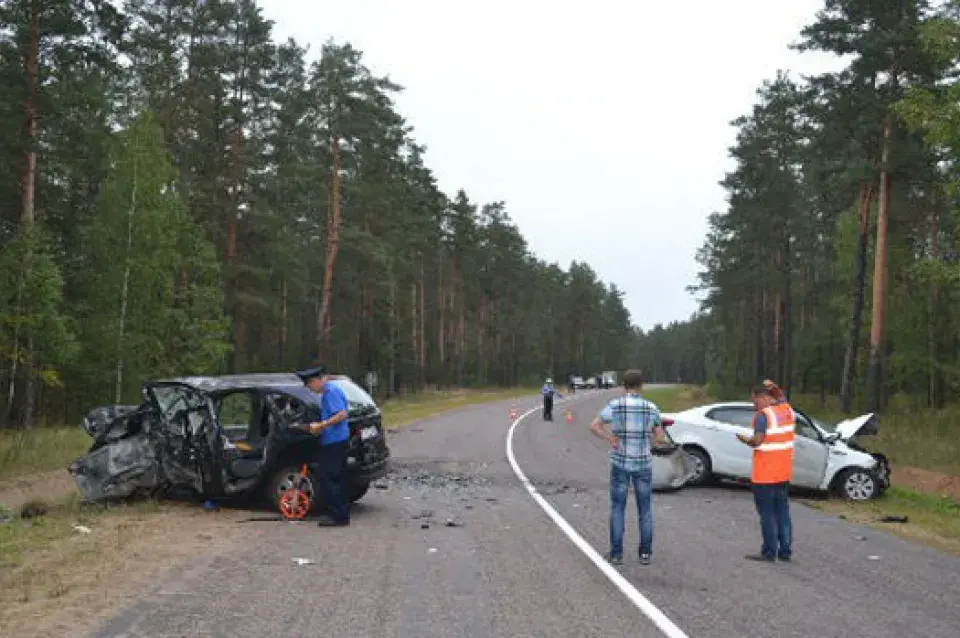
[603,125]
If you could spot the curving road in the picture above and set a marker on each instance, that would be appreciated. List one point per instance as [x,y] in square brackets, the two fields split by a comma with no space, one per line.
[506,568]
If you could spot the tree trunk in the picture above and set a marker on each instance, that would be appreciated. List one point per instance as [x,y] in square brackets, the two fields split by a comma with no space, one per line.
[125,287]
[27,220]
[933,370]
[333,246]
[414,323]
[441,320]
[875,372]
[786,319]
[392,340]
[423,325]
[282,337]
[859,283]
[758,360]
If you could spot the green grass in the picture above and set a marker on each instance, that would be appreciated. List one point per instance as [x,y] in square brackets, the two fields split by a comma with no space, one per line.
[931,519]
[40,449]
[909,435]
[19,537]
[676,399]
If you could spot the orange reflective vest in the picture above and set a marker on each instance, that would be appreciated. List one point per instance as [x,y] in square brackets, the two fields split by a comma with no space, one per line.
[773,459]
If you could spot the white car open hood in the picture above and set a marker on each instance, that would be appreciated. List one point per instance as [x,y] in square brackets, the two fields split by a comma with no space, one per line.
[863,424]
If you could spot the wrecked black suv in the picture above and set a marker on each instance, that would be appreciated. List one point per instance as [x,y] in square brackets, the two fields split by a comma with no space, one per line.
[222,437]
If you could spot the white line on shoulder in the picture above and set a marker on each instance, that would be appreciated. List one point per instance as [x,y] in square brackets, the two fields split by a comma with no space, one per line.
[626,587]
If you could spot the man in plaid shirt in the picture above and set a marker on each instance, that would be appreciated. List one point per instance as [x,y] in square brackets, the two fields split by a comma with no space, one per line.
[632,421]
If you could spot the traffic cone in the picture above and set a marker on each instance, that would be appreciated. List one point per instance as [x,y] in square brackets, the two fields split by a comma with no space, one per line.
[569,417]
[513,412]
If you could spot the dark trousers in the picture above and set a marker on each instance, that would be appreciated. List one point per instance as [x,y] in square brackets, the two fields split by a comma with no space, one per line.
[773,506]
[330,468]
[548,408]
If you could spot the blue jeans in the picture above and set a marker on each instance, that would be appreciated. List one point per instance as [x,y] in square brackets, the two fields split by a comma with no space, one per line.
[773,506]
[620,481]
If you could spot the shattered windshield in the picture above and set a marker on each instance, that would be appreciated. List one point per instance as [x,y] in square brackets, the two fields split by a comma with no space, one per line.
[174,399]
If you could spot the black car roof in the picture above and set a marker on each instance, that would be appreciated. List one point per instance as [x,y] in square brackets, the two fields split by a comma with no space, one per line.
[277,380]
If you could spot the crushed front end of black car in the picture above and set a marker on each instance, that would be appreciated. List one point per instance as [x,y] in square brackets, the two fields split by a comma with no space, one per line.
[124,459]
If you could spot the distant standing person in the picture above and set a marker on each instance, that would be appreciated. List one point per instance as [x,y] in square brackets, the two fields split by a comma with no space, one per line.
[332,445]
[772,443]
[632,420]
[548,392]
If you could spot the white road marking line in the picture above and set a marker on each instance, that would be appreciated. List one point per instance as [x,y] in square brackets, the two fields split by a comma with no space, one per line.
[626,587]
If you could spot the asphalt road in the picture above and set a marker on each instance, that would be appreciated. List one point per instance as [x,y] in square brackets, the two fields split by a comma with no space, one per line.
[507,569]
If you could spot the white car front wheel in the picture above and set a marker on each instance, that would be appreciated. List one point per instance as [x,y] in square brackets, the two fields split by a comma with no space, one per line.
[858,484]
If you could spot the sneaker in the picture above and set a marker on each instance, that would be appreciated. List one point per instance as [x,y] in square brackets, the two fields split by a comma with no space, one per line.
[644,559]
[616,560]
[785,558]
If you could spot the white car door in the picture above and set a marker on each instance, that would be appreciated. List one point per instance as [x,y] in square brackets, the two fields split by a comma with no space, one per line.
[810,454]
[730,456]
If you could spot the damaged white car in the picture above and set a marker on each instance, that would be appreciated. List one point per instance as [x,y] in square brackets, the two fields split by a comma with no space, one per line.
[824,457]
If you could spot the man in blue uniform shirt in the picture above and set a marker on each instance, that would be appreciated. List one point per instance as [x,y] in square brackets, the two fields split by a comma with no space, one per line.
[333,445]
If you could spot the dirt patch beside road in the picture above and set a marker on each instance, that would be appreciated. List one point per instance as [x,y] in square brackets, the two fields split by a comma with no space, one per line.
[57,580]
[42,486]
[927,481]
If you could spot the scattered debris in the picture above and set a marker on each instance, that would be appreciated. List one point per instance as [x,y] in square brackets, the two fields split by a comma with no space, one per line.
[423,514]
[432,550]
[261,519]
[424,525]
[859,538]
[416,429]
[406,498]
[210,506]
[452,523]
[83,529]
[468,507]
[6,514]
[380,485]
[842,517]
[892,519]
[303,561]
[873,557]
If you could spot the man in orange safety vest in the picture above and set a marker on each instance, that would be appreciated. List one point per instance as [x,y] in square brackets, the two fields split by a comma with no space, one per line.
[772,443]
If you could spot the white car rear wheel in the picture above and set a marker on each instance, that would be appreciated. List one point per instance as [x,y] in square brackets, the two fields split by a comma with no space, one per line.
[702,466]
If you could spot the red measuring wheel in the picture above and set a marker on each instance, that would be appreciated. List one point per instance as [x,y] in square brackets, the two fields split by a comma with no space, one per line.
[295,502]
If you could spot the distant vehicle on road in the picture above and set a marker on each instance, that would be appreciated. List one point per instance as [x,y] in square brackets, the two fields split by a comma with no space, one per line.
[824,457]
[608,379]
[590,383]
[577,382]
[223,436]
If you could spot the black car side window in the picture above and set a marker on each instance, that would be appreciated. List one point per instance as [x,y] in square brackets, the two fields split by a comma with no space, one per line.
[286,410]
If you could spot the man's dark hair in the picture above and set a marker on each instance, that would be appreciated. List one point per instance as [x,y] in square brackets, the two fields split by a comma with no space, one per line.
[633,380]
